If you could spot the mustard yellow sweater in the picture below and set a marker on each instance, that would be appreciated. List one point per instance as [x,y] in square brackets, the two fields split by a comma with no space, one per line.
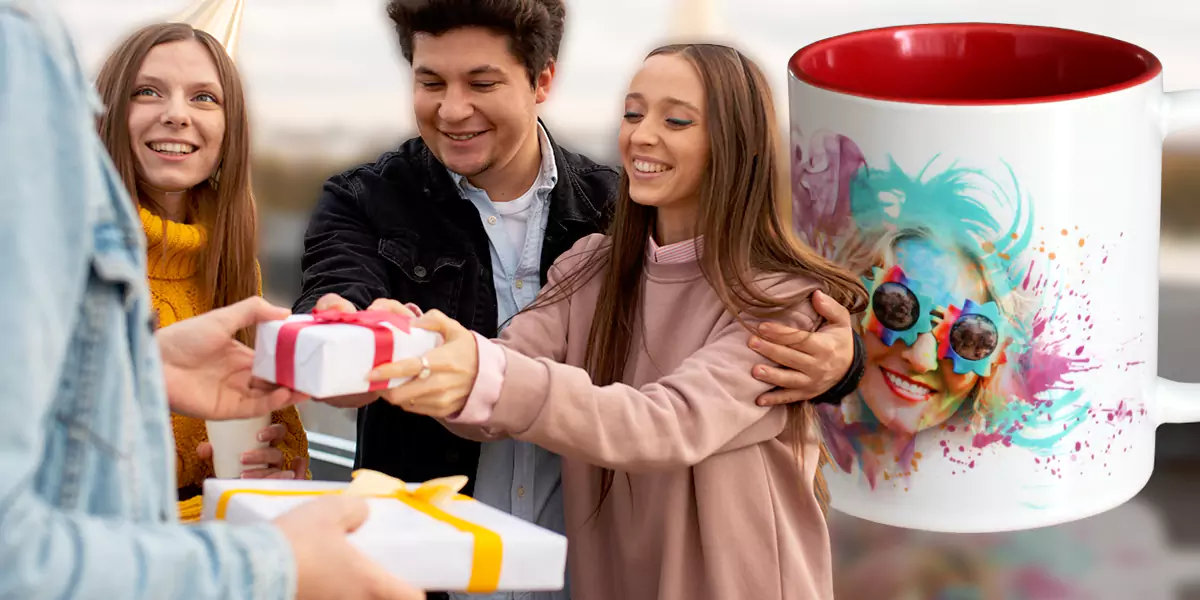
[173,265]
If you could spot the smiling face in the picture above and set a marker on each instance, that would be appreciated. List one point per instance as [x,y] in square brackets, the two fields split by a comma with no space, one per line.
[176,117]
[664,140]
[474,104]
[908,388]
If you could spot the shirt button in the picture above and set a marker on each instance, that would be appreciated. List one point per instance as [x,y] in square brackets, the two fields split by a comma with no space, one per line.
[492,220]
[520,284]
[521,491]
[419,271]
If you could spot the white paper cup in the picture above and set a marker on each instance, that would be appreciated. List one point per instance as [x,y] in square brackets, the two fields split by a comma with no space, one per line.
[230,439]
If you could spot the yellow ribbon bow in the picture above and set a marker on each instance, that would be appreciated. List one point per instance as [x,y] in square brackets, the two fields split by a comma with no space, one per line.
[488,553]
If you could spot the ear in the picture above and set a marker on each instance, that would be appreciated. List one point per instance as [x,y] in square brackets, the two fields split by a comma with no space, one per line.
[541,88]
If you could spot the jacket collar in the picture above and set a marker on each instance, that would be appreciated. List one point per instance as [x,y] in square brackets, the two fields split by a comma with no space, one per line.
[567,200]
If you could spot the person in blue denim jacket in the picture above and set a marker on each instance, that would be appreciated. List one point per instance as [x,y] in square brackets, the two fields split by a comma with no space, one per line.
[87,491]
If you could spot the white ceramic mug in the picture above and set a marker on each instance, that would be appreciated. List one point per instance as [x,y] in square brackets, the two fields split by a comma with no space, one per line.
[997,189]
[230,439]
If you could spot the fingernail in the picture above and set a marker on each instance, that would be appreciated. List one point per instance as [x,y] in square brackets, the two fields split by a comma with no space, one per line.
[754,342]
[262,436]
[245,458]
[287,475]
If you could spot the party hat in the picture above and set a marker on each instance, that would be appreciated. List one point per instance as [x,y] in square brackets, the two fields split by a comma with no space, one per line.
[220,18]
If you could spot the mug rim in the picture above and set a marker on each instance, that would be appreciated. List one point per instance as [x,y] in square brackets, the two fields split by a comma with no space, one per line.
[1153,67]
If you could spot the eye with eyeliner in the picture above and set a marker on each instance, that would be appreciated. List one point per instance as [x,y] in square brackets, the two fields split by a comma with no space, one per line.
[679,122]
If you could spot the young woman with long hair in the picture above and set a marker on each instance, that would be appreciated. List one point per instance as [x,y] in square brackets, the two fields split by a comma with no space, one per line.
[635,362]
[176,128]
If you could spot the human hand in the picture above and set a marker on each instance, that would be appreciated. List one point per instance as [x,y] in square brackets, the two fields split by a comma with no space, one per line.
[327,566]
[271,456]
[443,378]
[812,362]
[208,372]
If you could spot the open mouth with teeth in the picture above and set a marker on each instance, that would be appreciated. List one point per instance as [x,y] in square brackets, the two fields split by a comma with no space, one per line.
[905,388]
[171,148]
[463,137]
[645,166]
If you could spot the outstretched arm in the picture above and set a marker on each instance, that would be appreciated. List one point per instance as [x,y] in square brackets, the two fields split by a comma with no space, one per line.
[52,184]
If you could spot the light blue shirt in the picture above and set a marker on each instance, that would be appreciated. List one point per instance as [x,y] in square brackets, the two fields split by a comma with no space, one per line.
[87,470]
[514,476]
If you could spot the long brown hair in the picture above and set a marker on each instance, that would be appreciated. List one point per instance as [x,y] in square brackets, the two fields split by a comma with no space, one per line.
[741,195]
[224,203]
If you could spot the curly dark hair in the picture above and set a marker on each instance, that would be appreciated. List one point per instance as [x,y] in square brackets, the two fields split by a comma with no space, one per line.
[534,27]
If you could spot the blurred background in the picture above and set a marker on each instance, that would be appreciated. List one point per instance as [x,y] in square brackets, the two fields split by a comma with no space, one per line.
[328,89]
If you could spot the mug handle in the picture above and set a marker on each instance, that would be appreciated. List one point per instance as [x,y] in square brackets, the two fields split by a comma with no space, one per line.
[1180,110]
[1179,402]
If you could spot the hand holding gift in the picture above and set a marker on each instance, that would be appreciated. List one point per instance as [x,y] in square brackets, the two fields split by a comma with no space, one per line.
[440,381]
[208,373]
[327,565]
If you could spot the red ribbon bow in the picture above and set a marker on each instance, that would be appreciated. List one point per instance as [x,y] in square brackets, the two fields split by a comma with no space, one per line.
[285,343]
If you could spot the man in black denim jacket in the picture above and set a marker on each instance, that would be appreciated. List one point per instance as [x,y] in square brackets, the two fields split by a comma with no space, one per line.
[403,227]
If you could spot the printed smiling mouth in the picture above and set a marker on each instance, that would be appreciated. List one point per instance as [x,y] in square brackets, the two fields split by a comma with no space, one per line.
[905,388]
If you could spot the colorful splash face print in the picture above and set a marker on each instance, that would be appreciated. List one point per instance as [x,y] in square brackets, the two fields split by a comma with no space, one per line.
[916,375]
[973,309]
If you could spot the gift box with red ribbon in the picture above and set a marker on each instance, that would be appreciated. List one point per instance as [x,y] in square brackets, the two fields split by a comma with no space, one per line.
[330,353]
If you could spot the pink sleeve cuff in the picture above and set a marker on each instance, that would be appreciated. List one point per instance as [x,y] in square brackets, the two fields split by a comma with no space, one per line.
[488,383]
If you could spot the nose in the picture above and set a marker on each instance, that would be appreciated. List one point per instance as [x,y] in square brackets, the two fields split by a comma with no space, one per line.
[455,106]
[176,113]
[645,133]
[923,354]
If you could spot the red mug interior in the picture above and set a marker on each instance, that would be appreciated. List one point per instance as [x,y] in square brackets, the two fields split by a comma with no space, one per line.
[973,63]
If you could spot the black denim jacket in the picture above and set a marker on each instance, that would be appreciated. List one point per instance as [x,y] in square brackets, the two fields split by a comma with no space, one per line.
[398,228]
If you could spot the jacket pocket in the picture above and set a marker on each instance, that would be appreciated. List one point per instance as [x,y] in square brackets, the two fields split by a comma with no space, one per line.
[431,279]
[96,407]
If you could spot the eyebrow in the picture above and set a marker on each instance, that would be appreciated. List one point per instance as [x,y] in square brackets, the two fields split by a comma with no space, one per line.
[669,100]
[480,70]
[156,81]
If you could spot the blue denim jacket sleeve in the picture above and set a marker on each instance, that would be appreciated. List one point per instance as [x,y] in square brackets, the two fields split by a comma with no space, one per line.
[48,168]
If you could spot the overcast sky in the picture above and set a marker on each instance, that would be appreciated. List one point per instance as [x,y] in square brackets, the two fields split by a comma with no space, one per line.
[313,67]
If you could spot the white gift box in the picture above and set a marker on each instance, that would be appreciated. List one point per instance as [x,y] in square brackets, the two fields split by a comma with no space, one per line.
[333,359]
[426,547]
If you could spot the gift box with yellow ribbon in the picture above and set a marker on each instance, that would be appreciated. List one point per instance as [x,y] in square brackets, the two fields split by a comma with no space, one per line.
[427,534]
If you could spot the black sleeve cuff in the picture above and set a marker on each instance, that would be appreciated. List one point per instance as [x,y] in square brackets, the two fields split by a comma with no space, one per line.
[849,382]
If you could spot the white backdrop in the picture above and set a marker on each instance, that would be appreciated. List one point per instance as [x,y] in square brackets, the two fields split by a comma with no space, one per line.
[327,70]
